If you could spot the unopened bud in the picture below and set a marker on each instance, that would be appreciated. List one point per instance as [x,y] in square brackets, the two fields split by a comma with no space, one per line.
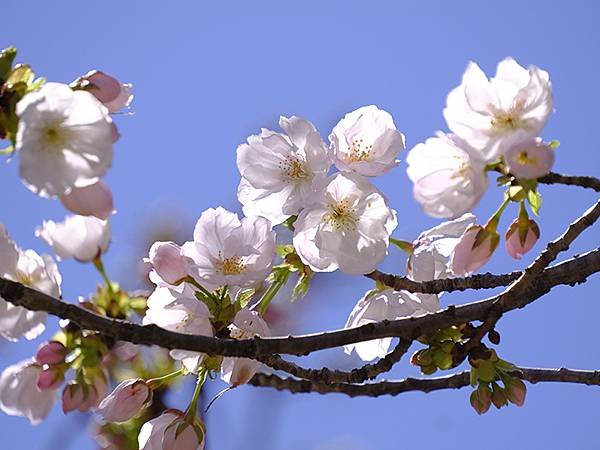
[516,391]
[474,248]
[521,236]
[498,396]
[481,399]
[50,379]
[51,353]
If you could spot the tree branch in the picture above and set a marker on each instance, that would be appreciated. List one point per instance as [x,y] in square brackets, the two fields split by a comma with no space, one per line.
[571,272]
[584,182]
[456,381]
[326,375]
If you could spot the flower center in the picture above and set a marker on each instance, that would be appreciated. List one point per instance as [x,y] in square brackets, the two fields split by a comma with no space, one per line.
[341,216]
[54,137]
[232,266]
[23,278]
[524,159]
[293,169]
[506,121]
[359,151]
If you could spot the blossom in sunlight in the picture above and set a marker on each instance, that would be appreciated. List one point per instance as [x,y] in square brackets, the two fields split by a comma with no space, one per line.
[448,179]
[347,227]
[366,141]
[246,325]
[388,304]
[521,236]
[19,394]
[433,248]
[230,251]
[474,248]
[171,431]
[280,171]
[64,139]
[487,113]
[93,200]
[530,158]
[181,312]
[168,264]
[111,92]
[32,270]
[125,401]
[83,238]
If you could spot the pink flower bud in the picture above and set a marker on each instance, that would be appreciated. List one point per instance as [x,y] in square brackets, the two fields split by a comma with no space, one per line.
[110,91]
[126,401]
[498,396]
[51,353]
[168,262]
[481,399]
[73,397]
[521,236]
[529,159]
[50,379]
[473,250]
[93,200]
[516,391]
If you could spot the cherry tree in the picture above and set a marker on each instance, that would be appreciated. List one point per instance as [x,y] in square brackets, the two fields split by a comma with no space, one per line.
[207,316]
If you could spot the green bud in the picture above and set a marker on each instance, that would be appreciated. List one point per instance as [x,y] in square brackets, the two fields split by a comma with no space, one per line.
[442,359]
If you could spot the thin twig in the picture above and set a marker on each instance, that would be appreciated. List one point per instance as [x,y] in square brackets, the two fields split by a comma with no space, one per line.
[326,375]
[456,381]
[584,182]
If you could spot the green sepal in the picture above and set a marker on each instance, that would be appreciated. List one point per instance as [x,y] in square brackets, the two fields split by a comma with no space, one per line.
[535,201]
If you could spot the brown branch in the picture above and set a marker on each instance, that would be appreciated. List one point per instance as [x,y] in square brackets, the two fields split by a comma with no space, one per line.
[456,381]
[570,272]
[584,182]
[326,375]
[479,281]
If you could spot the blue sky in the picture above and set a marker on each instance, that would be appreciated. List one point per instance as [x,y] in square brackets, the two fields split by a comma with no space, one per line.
[208,74]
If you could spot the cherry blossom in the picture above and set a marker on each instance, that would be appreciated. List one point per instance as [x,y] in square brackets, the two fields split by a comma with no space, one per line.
[83,238]
[125,401]
[181,312]
[387,304]
[280,171]
[487,113]
[521,236]
[32,270]
[111,92]
[449,179]
[64,139]
[230,251]
[366,141]
[474,248]
[529,159]
[93,200]
[433,248]
[246,325]
[348,227]
[168,264]
[170,431]
[51,353]
[19,394]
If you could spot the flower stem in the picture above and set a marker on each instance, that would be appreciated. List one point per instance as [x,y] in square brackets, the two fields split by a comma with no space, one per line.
[492,223]
[154,383]
[99,265]
[269,295]
[193,407]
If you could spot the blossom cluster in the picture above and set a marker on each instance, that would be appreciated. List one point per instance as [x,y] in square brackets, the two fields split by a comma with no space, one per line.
[221,283]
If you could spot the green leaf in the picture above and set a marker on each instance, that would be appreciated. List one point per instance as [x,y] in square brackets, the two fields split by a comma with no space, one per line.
[302,285]
[7,57]
[22,73]
[284,249]
[289,222]
[535,201]
[554,144]
[244,297]
[402,245]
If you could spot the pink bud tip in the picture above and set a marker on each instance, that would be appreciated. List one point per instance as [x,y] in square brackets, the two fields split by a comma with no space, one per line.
[51,353]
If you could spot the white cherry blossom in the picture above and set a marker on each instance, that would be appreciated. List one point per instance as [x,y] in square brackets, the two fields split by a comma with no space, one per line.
[64,139]
[348,227]
[486,113]
[279,171]
[433,249]
[246,325]
[388,304]
[32,270]
[366,141]
[529,158]
[230,251]
[181,312]
[80,237]
[19,394]
[448,178]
